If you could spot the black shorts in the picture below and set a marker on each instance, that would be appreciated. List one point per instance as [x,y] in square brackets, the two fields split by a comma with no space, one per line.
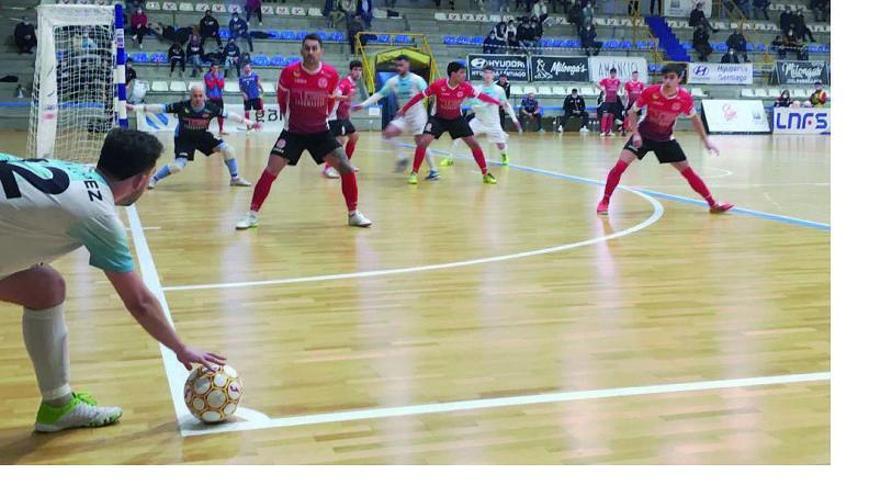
[342,127]
[291,146]
[254,104]
[614,107]
[185,145]
[665,151]
[457,127]
[219,104]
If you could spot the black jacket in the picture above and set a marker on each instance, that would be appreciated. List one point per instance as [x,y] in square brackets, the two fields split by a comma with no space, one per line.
[574,104]
[208,26]
[697,17]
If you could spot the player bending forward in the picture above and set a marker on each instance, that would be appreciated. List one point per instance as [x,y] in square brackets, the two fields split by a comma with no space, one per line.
[663,103]
[49,208]
[487,119]
[447,117]
[193,119]
[340,117]
[306,93]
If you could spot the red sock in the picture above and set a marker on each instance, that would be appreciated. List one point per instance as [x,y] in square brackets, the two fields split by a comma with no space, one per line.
[247,114]
[698,185]
[350,191]
[261,190]
[606,123]
[349,148]
[613,179]
[220,122]
[480,158]
[419,158]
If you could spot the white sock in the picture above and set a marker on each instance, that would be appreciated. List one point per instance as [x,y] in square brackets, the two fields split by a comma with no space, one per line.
[45,337]
[429,157]
[454,148]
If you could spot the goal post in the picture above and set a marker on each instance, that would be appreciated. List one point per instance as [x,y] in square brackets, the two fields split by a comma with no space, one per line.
[79,80]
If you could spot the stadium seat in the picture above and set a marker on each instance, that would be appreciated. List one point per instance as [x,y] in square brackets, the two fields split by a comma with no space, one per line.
[282,10]
[799,93]
[177,86]
[153,6]
[697,92]
[267,10]
[169,6]
[440,16]
[761,93]
[201,7]
[159,87]
[298,11]
[139,57]
[559,90]
[219,8]
[278,61]
[260,61]
[268,87]
[516,90]
[403,38]
[274,34]
[315,12]
[545,91]
[747,93]
[159,58]
[529,89]
[231,87]
[292,60]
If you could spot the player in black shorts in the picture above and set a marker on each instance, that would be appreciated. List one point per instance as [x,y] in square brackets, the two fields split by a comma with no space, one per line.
[193,119]
[340,117]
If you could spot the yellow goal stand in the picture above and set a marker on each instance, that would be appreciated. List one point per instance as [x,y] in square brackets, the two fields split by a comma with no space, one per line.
[378,50]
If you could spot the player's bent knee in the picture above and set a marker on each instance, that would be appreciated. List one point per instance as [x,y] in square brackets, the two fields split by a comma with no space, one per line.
[46,289]
[227,150]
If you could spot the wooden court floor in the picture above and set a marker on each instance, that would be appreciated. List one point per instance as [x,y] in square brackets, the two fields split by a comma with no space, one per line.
[472,323]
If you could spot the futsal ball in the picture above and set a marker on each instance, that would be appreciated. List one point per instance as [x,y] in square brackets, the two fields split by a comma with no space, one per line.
[212,394]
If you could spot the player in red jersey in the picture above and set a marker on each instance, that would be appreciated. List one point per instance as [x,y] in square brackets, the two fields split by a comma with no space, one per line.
[447,117]
[340,122]
[306,93]
[663,103]
[611,106]
[633,89]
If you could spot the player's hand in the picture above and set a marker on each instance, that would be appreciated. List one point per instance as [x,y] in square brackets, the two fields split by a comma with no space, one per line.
[189,356]
[712,148]
[357,107]
[129,107]
[637,140]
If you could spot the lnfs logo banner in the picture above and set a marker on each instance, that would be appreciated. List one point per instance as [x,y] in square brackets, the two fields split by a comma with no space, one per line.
[801,121]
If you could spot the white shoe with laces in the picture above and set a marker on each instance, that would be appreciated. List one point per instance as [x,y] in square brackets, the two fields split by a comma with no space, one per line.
[249,221]
[357,219]
[239,181]
[152,183]
[81,411]
[330,173]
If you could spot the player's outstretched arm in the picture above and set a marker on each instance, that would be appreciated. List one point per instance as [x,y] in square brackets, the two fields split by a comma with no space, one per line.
[239,119]
[147,310]
[698,126]
[153,108]
[412,102]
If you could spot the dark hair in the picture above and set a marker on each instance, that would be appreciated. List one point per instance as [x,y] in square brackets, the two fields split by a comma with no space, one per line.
[355,63]
[574,90]
[488,67]
[502,75]
[613,70]
[127,152]
[401,58]
[453,67]
[313,37]
[676,69]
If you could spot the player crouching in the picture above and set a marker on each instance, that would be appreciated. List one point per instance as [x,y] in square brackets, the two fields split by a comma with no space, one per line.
[193,119]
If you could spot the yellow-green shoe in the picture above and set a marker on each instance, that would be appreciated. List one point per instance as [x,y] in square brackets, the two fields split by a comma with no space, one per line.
[505,160]
[81,411]
[489,178]
[413,178]
[447,162]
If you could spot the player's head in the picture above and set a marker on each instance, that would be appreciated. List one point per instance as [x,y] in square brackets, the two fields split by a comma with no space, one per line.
[401,62]
[613,72]
[671,74]
[574,92]
[817,85]
[488,74]
[530,95]
[128,62]
[503,78]
[214,68]
[635,75]
[785,94]
[456,72]
[312,49]
[246,69]
[356,69]
[127,160]
[197,95]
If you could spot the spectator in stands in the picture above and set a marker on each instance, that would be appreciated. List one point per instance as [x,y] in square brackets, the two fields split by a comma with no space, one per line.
[176,57]
[365,10]
[530,109]
[344,10]
[25,36]
[510,37]
[778,45]
[238,28]
[761,6]
[730,57]
[231,58]
[784,100]
[574,106]
[210,28]
[794,44]
[632,8]
[538,27]
[588,13]
[130,76]
[252,7]
[698,18]
[355,26]
[167,33]
[88,44]
[504,84]
[500,30]
[800,27]
[821,10]
[737,42]
[194,53]
[588,40]
[659,7]
[786,19]
[819,96]
[539,10]
[139,26]
[451,4]
[745,7]
[525,34]
[701,43]
[492,44]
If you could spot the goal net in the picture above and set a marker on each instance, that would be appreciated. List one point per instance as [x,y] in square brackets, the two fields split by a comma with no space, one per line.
[75,81]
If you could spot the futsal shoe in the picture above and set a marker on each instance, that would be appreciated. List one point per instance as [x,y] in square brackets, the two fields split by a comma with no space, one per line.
[81,411]
[330,173]
[505,160]
[447,162]
[560,129]
[489,178]
[433,175]
[152,183]
[584,130]
[720,207]
[602,209]
[239,181]
[249,221]
[413,178]
[357,219]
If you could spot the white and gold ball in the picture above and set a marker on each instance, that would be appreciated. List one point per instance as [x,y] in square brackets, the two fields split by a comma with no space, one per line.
[212,394]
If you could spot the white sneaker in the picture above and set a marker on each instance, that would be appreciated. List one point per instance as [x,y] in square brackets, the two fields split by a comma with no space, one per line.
[357,219]
[82,411]
[152,183]
[239,182]
[249,221]
[560,129]
[330,173]
[585,130]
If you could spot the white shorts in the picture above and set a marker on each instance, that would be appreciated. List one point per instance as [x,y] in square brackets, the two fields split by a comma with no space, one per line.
[411,123]
[494,133]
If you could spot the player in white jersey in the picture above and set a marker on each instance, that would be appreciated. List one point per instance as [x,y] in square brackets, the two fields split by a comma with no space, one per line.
[403,86]
[49,208]
[487,119]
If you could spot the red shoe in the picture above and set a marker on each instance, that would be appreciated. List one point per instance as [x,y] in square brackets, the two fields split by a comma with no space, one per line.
[602,209]
[720,207]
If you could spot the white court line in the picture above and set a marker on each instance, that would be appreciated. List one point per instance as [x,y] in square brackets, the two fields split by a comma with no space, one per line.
[522,400]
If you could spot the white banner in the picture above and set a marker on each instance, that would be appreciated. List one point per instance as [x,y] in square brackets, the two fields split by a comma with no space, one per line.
[164,122]
[802,121]
[734,116]
[703,73]
[683,8]
[601,66]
